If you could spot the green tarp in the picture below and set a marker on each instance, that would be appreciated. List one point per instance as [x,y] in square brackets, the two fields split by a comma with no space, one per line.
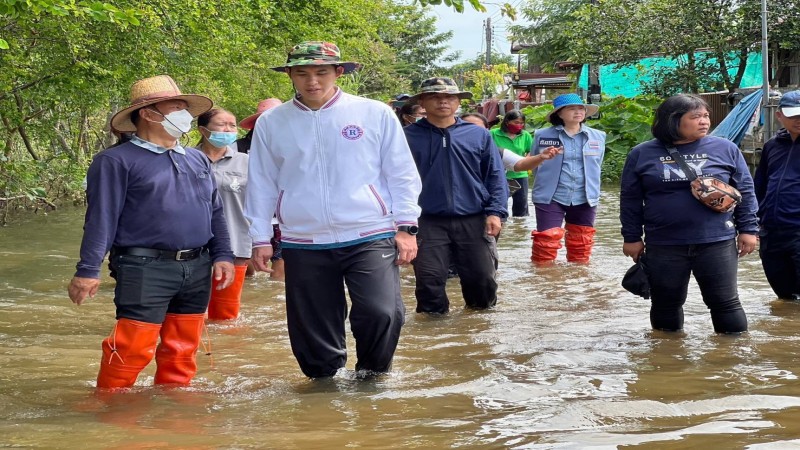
[626,80]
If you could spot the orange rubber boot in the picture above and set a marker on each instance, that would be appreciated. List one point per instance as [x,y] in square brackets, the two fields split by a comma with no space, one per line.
[546,244]
[127,351]
[579,240]
[224,304]
[175,356]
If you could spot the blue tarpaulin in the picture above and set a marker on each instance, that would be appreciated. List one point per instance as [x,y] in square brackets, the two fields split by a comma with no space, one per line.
[734,126]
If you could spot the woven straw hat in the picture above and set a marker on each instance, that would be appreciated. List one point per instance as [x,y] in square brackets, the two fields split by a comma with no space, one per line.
[154,90]
[249,122]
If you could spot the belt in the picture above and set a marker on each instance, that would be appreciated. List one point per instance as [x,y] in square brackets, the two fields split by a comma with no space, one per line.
[177,255]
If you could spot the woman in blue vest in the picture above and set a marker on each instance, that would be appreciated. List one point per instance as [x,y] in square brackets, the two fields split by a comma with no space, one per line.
[566,189]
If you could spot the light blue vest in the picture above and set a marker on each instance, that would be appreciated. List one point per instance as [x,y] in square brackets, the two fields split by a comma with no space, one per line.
[548,173]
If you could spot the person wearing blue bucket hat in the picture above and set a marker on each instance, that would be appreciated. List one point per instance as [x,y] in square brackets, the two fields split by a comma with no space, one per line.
[777,185]
[566,188]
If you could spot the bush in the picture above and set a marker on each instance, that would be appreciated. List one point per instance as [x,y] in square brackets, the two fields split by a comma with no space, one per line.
[31,185]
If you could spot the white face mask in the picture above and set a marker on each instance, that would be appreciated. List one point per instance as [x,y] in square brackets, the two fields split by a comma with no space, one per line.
[177,123]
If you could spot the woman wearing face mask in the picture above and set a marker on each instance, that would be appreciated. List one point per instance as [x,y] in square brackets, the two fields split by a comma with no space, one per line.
[218,130]
[410,113]
[512,137]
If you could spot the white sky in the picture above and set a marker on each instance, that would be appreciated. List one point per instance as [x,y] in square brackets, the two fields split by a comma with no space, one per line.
[469,36]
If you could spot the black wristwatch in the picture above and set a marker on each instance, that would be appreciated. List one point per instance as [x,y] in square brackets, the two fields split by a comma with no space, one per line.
[410,229]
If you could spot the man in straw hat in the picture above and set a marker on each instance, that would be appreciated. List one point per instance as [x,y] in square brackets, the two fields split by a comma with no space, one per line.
[336,171]
[464,197]
[152,203]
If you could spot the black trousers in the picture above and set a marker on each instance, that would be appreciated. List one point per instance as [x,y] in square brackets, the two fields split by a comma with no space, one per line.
[714,267]
[148,288]
[474,253]
[316,306]
[780,257]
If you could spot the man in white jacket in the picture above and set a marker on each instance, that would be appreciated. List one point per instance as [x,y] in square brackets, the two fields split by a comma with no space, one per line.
[336,171]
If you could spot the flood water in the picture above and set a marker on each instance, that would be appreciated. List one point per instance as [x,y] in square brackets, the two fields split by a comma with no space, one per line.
[567,360]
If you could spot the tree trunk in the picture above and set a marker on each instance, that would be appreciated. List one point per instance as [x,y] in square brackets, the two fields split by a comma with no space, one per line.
[9,137]
[722,62]
[737,79]
[691,64]
[21,130]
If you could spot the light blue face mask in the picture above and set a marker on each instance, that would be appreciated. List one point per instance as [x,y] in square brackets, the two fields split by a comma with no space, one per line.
[221,139]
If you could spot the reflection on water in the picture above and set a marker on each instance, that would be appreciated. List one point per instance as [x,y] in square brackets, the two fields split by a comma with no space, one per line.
[566,360]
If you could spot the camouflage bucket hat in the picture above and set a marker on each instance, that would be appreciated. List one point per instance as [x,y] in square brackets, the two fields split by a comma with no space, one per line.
[440,85]
[317,53]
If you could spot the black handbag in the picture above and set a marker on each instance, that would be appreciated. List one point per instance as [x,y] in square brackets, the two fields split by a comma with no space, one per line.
[635,280]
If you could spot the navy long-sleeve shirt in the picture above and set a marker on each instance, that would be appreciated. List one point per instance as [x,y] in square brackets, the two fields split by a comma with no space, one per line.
[461,169]
[655,196]
[140,197]
[777,183]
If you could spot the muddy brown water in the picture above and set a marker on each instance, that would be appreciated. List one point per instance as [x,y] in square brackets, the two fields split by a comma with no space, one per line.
[567,360]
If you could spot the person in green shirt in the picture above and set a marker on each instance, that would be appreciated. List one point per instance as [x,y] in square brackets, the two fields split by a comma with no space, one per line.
[511,135]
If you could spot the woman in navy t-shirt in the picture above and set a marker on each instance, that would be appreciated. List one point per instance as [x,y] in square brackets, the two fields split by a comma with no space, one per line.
[683,237]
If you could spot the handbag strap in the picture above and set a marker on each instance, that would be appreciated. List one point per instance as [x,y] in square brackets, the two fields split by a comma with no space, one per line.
[678,158]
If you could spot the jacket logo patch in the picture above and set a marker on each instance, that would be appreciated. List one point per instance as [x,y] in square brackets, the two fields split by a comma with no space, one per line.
[549,142]
[352,132]
[594,145]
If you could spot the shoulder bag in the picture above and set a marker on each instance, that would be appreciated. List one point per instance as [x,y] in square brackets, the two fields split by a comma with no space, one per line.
[712,192]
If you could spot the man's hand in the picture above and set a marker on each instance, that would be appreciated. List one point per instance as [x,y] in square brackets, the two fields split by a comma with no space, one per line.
[224,271]
[406,247]
[80,288]
[493,225]
[261,257]
[633,249]
[746,243]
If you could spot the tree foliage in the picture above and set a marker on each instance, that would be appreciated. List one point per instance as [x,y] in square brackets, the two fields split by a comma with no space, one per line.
[419,48]
[727,29]
[545,30]
[66,65]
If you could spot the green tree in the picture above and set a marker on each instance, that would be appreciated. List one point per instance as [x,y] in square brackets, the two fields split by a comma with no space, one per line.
[673,28]
[546,29]
[461,72]
[419,49]
[66,67]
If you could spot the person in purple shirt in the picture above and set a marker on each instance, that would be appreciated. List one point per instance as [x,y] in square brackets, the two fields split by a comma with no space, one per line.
[681,235]
[154,205]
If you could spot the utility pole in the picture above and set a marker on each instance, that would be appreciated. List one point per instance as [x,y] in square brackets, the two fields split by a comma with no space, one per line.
[594,75]
[488,41]
[765,72]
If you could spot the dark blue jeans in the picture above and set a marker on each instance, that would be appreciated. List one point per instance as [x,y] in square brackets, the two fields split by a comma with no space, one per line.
[780,257]
[714,268]
[519,200]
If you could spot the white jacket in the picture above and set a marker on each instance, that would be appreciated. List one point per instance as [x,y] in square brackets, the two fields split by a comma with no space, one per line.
[334,175]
